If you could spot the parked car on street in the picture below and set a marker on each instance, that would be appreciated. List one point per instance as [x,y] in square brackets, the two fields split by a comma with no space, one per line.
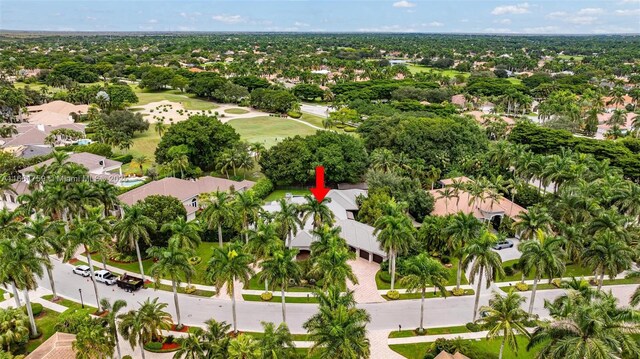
[82,270]
[106,277]
[130,283]
[503,244]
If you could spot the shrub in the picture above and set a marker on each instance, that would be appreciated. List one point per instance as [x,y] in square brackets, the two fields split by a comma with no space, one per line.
[516,266]
[190,289]
[508,270]
[36,308]
[385,277]
[127,357]
[349,129]
[153,346]
[522,286]
[195,260]
[557,282]
[445,260]
[393,294]
[294,114]
[473,327]
[262,188]
[266,296]
[124,158]
[457,292]
[168,339]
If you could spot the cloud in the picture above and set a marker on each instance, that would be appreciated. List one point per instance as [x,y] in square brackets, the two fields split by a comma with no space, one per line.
[577,19]
[152,21]
[556,14]
[541,29]
[502,21]
[300,24]
[511,9]
[229,19]
[493,30]
[590,11]
[404,4]
[634,12]
[389,28]
[581,20]
[434,24]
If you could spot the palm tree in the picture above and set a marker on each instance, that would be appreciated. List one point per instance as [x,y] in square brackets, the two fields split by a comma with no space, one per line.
[247,206]
[461,229]
[218,211]
[277,342]
[93,341]
[140,161]
[213,342]
[15,328]
[529,222]
[483,261]
[338,330]
[543,255]
[332,264]
[422,271]
[172,262]
[133,227]
[316,210]
[607,254]
[225,267]
[183,234]
[91,236]
[111,316]
[288,217]
[504,318]
[263,242]
[145,324]
[280,269]
[44,238]
[160,128]
[446,193]
[244,347]
[19,264]
[395,233]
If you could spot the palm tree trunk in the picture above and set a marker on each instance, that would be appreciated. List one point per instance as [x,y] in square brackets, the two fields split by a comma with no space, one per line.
[393,270]
[290,239]
[233,307]
[502,347]
[266,285]
[245,226]
[284,309]
[104,261]
[459,274]
[140,262]
[117,345]
[52,283]
[175,301]
[220,235]
[533,294]
[32,321]
[142,349]
[93,278]
[601,280]
[478,288]
[422,309]
[15,295]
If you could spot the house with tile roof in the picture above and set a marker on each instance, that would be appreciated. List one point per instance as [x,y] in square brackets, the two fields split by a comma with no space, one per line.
[186,191]
[35,135]
[58,346]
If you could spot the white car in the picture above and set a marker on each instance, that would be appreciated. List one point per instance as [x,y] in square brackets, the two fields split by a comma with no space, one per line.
[82,270]
[106,277]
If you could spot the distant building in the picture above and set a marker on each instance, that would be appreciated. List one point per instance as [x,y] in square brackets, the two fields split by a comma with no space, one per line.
[55,113]
[35,135]
[58,346]
[99,167]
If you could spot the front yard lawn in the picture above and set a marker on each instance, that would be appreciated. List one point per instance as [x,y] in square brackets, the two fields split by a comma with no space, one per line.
[480,349]
[572,270]
[452,277]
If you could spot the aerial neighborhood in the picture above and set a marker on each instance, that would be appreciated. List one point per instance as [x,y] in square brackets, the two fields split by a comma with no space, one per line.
[235,188]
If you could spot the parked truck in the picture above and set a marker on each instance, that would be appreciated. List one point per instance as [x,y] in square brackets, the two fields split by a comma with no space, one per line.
[129,283]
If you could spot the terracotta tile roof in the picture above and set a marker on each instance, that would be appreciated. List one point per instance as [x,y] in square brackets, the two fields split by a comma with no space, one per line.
[49,118]
[449,181]
[33,134]
[93,163]
[58,346]
[60,107]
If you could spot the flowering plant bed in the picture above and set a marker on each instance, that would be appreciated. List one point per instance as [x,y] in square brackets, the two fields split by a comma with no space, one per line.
[157,347]
[183,330]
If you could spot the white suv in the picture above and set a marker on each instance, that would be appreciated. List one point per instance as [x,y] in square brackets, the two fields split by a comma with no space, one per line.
[82,270]
[106,277]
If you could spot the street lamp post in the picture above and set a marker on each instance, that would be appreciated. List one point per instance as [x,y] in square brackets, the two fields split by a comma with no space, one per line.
[81,301]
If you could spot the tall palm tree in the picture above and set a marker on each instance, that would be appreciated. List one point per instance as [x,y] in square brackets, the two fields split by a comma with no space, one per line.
[244,347]
[422,271]
[225,267]
[183,234]
[44,238]
[529,222]
[212,342]
[316,210]
[133,227]
[263,241]
[111,316]
[288,217]
[333,266]
[608,255]
[19,264]
[218,211]
[543,255]
[247,206]
[173,263]
[91,236]
[277,342]
[338,330]
[483,261]
[447,194]
[145,324]
[280,269]
[505,318]
[107,195]
[461,229]
[395,233]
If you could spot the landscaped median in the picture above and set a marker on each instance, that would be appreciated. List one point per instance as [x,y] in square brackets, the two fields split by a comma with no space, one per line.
[275,298]
[556,283]
[429,294]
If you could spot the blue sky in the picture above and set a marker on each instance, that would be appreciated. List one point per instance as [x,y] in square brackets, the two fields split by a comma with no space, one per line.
[429,16]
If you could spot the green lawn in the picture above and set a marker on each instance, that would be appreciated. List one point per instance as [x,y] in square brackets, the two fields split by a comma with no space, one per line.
[312,119]
[479,347]
[144,144]
[45,322]
[256,284]
[452,278]
[236,111]
[428,294]
[448,72]
[430,331]
[204,251]
[276,299]
[296,337]
[188,100]
[269,130]
[70,304]
[572,270]
[280,193]
[576,58]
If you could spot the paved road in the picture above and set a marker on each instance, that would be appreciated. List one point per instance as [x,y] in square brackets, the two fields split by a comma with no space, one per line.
[388,315]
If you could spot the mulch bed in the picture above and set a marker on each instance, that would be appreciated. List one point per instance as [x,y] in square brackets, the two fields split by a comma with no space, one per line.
[183,330]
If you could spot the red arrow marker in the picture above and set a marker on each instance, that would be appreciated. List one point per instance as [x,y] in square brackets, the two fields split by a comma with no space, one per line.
[320,191]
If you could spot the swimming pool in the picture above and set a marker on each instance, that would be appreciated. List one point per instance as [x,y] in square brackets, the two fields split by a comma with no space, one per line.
[130,183]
